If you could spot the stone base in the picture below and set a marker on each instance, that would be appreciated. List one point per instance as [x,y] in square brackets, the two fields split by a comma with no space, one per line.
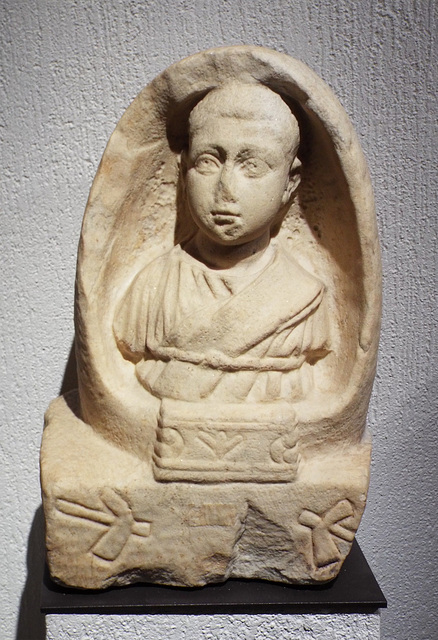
[110,521]
[348,626]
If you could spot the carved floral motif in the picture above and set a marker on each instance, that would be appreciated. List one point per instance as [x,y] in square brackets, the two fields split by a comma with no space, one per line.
[222,443]
[337,522]
[115,516]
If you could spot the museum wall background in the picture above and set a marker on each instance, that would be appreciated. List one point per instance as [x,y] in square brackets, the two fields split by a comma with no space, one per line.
[70,69]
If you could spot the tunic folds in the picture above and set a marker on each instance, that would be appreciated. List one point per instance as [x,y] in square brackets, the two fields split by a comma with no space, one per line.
[251,337]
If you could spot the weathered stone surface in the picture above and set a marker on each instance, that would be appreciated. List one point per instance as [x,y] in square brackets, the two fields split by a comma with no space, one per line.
[227,317]
[109,521]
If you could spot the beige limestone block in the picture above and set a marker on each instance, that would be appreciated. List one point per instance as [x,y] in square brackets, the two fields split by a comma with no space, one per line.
[227,320]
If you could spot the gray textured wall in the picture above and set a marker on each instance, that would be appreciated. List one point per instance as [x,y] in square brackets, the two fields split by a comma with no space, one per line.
[345,626]
[70,70]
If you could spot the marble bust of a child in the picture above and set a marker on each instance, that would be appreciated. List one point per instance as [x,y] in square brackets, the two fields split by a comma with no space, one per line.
[226,328]
[229,316]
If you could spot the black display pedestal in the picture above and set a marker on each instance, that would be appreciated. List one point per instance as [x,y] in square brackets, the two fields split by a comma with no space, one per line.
[355,590]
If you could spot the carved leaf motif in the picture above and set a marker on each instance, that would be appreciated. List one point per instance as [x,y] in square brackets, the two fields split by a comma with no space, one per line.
[220,443]
[116,515]
[337,521]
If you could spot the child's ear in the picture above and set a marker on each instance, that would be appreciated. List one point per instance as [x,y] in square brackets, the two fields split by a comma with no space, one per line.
[293,181]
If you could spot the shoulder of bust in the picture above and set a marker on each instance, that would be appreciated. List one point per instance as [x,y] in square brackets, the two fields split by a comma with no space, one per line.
[156,266]
[297,273]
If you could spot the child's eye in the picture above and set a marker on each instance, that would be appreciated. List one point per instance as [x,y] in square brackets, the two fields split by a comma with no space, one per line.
[254,167]
[206,163]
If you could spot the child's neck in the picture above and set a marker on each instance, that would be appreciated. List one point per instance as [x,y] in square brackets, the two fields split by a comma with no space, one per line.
[244,258]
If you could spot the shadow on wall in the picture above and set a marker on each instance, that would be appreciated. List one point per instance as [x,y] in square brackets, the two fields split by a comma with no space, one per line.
[70,379]
[31,623]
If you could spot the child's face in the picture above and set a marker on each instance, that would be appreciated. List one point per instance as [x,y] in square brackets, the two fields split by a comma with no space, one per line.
[237,178]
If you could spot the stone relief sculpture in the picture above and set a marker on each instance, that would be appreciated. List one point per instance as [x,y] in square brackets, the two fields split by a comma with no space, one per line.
[227,318]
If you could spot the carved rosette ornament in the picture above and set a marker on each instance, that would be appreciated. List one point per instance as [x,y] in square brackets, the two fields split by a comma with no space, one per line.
[227,320]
